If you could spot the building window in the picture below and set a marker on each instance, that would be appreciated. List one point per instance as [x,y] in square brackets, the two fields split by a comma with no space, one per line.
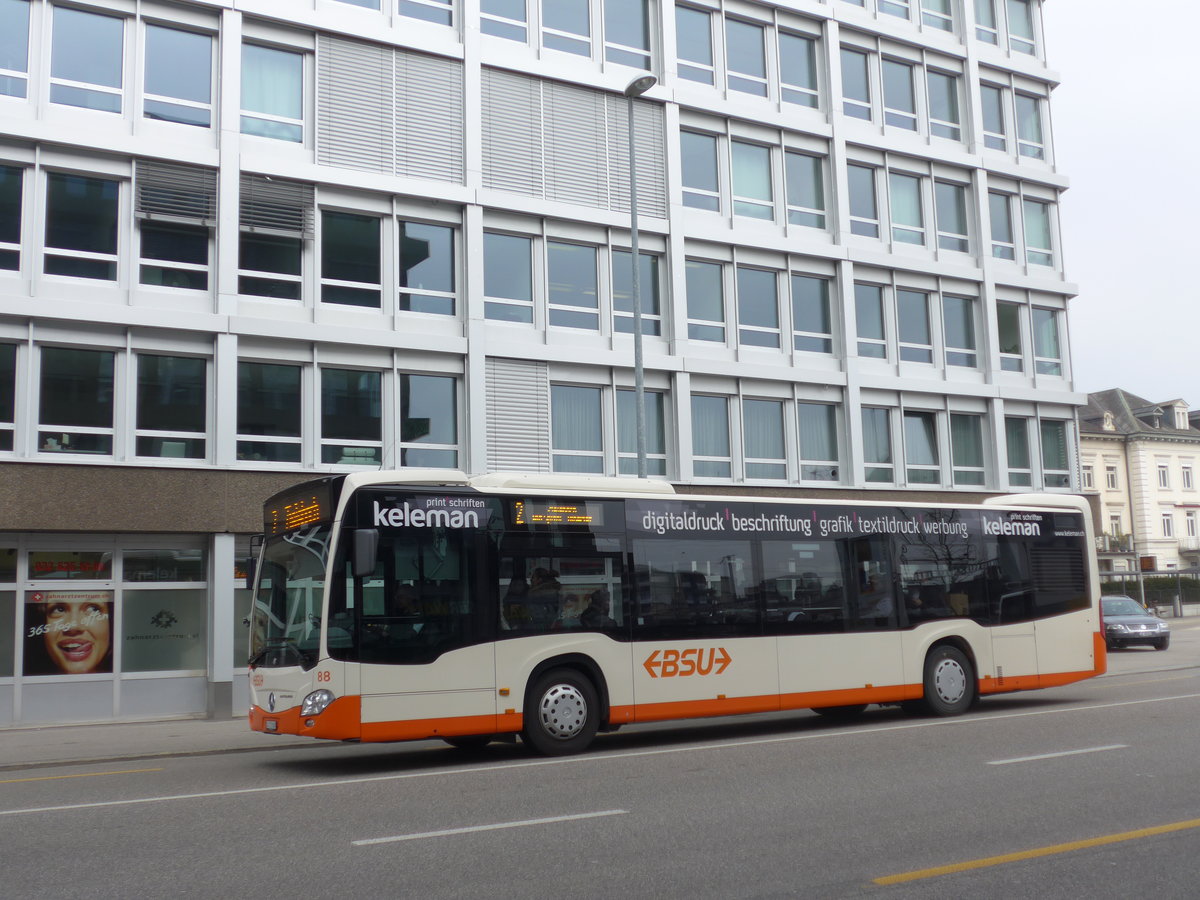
[868,317]
[1168,525]
[1000,216]
[758,308]
[818,441]
[276,219]
[8,395]
[921,459]
[877,446]
[178,76]
[762,439]
[1020,26]
[1055,463]
[958,330]
[426,268]
[937,14]
[573,290]
[648,292]
[86,63]
[1089,478]
[14,47]
[745,57]
[966,449]
[566,26]
[805,189]
[705,301]
[440,12]
[351,417]
[912,322]
[1164,476]
[350,267]
[627,33]
[269,412]
[864,206]
[856,84]
[1030,141]
[995,134]
[174,255]
[11,179]
[270,265]
[701,185]
[798,69]
[908,219]
[1186,476]
[429,421]
[944,117]
[694,44]
[950,202]
[1046,348]
[1020,465]
[1190,522]
[656,443]
[81,226]
[1038,246]
[576,429]
[752,193]
[812,324]
[710,437]
[172,406]
[508,277]
[272,93]
[899,96]
[175,207]
[1110,478]
[75,411]
[1114,526]
[898,8]
[1008,322]
[504,18]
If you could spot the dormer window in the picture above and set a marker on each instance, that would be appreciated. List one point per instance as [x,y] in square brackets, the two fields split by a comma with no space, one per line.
[1109,424]
[1181,417]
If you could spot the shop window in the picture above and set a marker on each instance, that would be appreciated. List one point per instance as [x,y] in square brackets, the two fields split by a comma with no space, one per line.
[86,59]
[178,76]
[68,632]
[164,565]
[11,181]
[429,421]
[164,630]
[351,417]
[8,616]
[268,412]
[427,268]
[172,406]
[75,412]
[81,226]
[350,268]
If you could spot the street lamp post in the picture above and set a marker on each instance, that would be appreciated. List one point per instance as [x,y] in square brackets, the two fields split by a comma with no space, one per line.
[635,89]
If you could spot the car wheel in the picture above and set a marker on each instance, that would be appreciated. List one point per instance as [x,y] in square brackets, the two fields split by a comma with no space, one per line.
[949,682]
[850,711]
[1162,644]
[562,713]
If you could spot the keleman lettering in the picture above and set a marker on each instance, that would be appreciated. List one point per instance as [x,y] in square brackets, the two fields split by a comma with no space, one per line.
[400,517]
[692,661]
[1028,529]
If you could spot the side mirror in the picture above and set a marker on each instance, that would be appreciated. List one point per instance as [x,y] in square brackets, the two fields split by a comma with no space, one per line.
[251,571]
[366,551]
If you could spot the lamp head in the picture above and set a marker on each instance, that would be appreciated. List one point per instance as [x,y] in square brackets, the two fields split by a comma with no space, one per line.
[640,85]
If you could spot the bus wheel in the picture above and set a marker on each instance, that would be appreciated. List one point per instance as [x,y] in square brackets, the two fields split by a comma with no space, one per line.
[949,682]
[840,712]
[562,713]
[469,741]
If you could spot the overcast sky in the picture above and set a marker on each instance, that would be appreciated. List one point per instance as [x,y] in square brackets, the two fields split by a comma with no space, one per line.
[1125,123]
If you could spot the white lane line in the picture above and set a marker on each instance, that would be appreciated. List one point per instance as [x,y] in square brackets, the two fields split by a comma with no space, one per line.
[592,759]
[1021,759]
[497,827]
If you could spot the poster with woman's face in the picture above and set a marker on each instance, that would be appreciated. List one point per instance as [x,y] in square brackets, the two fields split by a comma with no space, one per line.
[68,632]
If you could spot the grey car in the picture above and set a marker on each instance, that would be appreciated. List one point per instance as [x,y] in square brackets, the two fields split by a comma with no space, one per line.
[1127,623]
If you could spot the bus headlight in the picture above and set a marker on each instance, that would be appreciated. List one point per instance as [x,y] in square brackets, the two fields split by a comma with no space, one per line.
[315,703]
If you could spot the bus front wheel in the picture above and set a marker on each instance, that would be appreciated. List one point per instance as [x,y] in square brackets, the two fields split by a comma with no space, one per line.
[949,681]
[562,713]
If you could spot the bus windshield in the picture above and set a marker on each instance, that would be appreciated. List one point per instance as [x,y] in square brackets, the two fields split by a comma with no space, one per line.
[286,619]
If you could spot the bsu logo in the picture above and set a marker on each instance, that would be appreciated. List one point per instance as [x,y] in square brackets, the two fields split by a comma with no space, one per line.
[681,663]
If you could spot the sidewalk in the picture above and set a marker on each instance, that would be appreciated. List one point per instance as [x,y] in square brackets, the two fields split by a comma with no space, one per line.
[52,745]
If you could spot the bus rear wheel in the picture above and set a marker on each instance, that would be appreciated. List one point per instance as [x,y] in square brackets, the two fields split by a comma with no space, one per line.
[562,713]
[949,682]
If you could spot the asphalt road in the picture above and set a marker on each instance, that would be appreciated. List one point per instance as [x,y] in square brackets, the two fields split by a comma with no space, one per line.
[1091,790]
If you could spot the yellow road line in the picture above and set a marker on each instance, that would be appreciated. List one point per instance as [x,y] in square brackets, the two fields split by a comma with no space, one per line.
[80,775]
[1039,852]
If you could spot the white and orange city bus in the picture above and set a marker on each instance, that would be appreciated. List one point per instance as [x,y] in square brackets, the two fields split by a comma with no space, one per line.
[394,606]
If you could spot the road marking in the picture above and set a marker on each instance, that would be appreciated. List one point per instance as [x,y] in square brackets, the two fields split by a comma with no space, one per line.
[497,827]
[1052,850]
[593,759]
[1021,759]
[79,775]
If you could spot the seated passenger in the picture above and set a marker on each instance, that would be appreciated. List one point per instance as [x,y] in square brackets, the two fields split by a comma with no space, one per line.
[597,613]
